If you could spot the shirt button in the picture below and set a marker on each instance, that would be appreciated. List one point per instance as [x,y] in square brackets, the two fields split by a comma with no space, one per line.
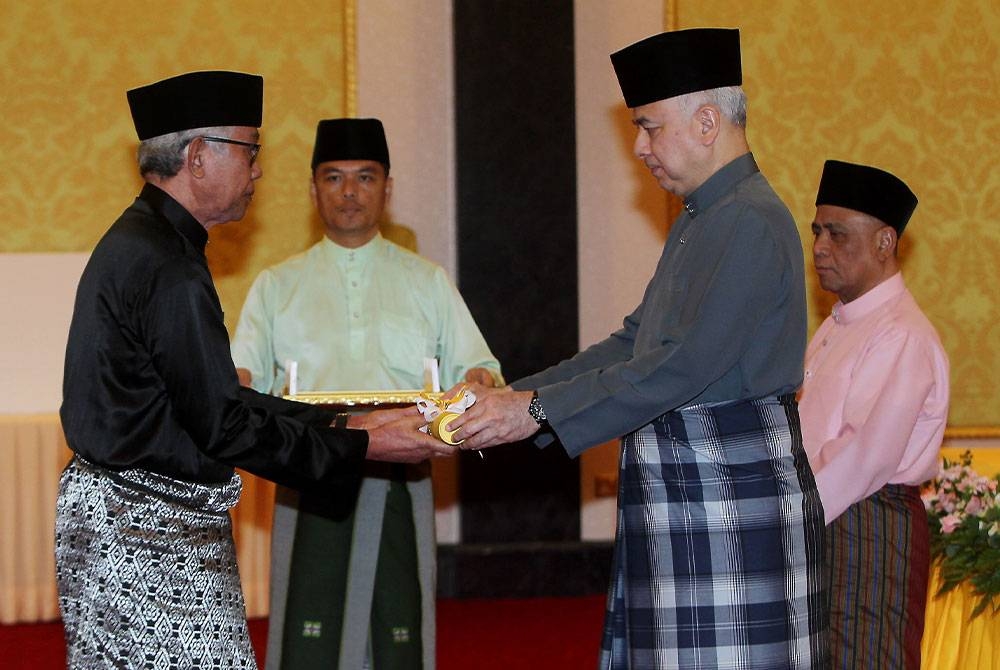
[355,315]
[354,284]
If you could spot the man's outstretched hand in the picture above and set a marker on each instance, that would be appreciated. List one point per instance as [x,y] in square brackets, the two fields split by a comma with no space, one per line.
[394,435]
[498,416]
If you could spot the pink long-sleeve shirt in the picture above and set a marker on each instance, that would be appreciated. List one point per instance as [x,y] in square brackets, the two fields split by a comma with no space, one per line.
[874,400]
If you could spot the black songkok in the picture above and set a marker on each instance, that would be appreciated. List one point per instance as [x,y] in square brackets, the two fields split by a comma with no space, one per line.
[197,100]
[683,61]
[350,140]
[869,190]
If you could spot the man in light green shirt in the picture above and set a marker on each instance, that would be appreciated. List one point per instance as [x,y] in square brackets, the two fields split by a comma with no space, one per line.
[356,312]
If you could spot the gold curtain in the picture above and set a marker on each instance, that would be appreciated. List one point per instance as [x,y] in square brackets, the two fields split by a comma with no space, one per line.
[33,453]
[912,87]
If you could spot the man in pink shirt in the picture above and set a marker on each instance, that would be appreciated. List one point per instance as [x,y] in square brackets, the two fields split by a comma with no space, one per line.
[873,407]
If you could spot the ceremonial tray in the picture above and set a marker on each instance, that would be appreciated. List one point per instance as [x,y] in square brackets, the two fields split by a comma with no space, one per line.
[364,399]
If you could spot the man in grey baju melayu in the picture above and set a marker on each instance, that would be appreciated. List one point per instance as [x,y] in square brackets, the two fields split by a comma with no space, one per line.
[718,549]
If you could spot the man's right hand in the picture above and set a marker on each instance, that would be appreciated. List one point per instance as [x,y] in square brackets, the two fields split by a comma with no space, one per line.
[394,435]
[245,377]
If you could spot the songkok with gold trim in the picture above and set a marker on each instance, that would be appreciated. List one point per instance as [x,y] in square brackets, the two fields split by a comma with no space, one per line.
[868,190]
[350,140]
[206,99]
[678,62]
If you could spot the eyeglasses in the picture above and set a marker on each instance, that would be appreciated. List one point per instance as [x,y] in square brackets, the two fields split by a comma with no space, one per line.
[254,148]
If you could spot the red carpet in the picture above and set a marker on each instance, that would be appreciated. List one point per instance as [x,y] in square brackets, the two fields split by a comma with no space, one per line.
[542,633]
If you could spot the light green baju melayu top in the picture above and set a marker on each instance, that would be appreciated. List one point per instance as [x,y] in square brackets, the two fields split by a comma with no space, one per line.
[356,319]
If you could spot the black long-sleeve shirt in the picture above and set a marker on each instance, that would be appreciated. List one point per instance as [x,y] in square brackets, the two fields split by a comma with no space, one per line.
[149,382]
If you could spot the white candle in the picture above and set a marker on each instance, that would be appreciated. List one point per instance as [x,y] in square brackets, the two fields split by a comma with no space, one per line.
[292,371]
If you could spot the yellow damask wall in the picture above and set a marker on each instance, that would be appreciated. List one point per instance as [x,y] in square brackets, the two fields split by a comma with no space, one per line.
[67,165]
[913,87]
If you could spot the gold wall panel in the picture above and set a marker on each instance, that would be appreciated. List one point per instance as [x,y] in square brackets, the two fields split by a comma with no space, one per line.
[913,87]
[68,146]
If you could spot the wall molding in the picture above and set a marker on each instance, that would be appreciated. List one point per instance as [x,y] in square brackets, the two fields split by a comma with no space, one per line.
[972,433]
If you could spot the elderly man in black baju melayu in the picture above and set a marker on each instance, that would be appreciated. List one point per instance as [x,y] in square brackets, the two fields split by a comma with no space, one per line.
[155,416]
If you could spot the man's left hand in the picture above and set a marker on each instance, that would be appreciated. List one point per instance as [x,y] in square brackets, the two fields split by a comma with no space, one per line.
[376,418]
[401,441]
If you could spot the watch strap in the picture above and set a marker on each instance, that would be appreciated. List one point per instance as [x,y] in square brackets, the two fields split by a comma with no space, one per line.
[536,410]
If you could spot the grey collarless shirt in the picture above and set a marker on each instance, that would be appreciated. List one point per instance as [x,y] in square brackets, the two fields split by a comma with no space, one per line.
[723,319]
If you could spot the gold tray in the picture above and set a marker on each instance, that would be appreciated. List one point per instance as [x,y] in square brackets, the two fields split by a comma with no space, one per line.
[370,399]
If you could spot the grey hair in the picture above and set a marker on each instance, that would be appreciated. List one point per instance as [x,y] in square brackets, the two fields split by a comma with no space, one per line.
[731,101]
[164,155]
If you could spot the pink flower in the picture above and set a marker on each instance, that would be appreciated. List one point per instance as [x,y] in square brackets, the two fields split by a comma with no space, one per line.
[974,506]
[955,473]
[950,523]
[946,502]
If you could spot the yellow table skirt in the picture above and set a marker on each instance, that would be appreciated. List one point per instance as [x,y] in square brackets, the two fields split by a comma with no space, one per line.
[951,640]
